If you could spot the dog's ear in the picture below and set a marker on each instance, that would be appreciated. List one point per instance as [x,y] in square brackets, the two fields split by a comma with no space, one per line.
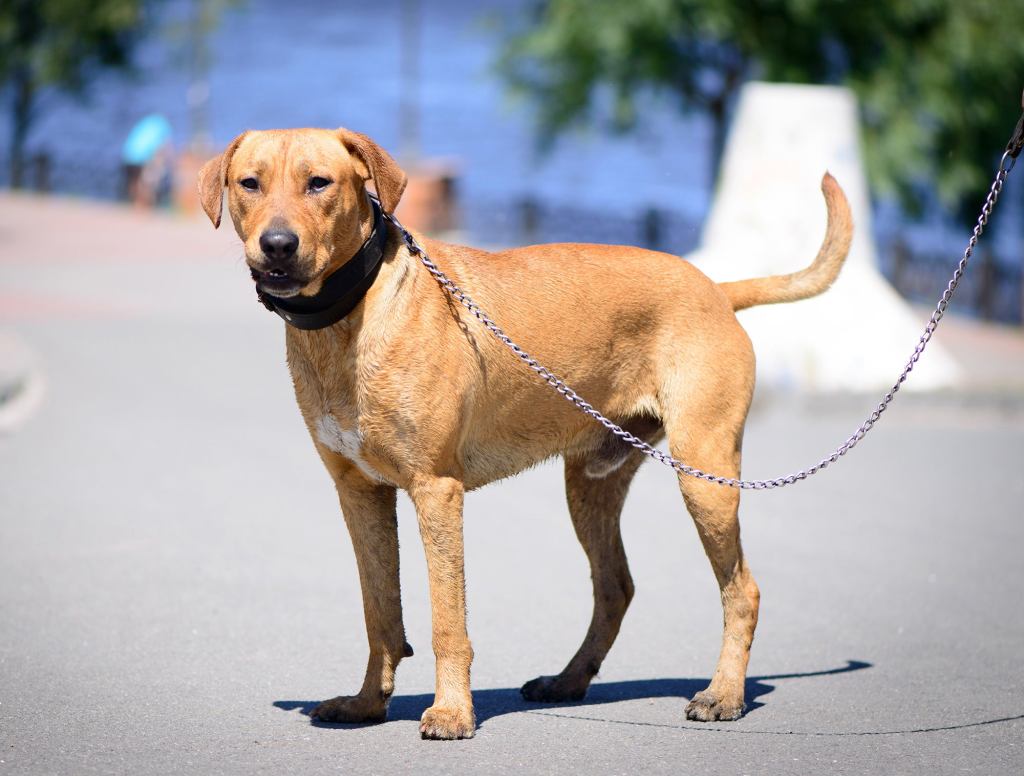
[213,177]
[388,178]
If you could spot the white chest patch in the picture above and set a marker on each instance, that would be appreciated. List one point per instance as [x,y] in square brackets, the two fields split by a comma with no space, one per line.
[346,442]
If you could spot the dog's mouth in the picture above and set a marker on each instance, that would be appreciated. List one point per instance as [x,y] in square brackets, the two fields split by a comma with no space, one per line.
[279,282]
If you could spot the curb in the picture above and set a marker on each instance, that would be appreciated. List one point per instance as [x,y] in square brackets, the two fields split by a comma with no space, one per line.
[21,383]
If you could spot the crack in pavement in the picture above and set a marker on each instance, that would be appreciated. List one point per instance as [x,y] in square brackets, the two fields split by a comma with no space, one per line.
[807,733]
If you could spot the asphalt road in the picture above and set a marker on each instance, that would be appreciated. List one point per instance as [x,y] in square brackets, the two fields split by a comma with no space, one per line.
[177,589]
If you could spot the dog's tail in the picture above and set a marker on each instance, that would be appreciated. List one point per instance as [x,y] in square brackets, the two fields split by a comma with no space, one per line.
[811,280]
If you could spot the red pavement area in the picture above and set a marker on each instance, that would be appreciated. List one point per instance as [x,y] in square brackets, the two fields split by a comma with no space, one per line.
[64,229]
[42,236]
[24,307]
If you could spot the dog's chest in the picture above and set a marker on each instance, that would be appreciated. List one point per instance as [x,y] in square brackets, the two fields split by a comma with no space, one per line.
[347,440]
[326,391]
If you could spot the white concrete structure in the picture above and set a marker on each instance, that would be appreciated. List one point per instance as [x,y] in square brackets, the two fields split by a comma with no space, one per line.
[768,217]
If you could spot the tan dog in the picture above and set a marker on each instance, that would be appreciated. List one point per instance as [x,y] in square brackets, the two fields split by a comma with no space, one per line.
[409,391]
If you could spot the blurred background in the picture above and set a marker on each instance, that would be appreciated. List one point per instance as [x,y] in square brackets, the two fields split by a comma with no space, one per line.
[526,122]
[175,583]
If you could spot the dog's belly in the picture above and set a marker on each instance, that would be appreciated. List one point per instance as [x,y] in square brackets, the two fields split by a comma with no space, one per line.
[489,457]
[345,442]
[483,464]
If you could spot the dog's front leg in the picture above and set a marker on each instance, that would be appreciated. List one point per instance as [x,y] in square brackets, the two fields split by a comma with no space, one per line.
[438,502]
[369,511]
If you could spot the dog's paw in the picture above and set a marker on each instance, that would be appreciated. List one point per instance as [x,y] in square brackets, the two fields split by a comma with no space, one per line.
[553,689]
[441,723]
[709,707]
[349,708]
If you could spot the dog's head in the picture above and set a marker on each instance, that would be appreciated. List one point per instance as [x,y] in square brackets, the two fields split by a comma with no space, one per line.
[298,200]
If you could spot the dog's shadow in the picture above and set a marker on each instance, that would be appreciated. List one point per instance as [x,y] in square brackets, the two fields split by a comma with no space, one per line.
[507,700]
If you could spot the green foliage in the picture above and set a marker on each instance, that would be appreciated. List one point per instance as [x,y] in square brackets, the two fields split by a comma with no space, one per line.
[939,81]
[62,42]
[59,44]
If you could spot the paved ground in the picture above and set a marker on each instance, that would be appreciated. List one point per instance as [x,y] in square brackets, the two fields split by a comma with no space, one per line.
[177,590]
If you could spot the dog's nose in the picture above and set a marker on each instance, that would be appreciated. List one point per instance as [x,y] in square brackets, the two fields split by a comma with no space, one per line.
[279,244]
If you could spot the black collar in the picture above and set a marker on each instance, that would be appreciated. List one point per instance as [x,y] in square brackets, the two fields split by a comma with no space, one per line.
[341,291]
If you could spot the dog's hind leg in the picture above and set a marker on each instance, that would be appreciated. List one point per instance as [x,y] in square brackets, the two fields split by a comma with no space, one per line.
[595,505]
[369,510]
[711,442]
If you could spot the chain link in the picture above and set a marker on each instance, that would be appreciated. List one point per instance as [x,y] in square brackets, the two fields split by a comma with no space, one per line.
[559,385]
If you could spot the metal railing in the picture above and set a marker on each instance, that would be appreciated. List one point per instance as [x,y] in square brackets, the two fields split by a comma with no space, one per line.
[529,220]
[994,291]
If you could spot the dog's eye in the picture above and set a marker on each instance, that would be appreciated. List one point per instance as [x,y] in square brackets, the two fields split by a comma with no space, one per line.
[318,183]
[249,184]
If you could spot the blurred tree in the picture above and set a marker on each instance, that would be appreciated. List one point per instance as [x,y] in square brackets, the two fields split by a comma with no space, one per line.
[191,36]
[59,44]
[939,81]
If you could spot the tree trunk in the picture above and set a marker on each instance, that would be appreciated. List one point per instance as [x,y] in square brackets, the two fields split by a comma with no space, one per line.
[718,110]
[719,127]
[22,103]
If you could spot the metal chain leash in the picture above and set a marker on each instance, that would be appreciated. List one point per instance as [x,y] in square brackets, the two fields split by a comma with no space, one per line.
[1006,164]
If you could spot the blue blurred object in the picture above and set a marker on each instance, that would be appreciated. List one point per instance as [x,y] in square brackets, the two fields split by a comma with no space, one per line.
[146,138]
